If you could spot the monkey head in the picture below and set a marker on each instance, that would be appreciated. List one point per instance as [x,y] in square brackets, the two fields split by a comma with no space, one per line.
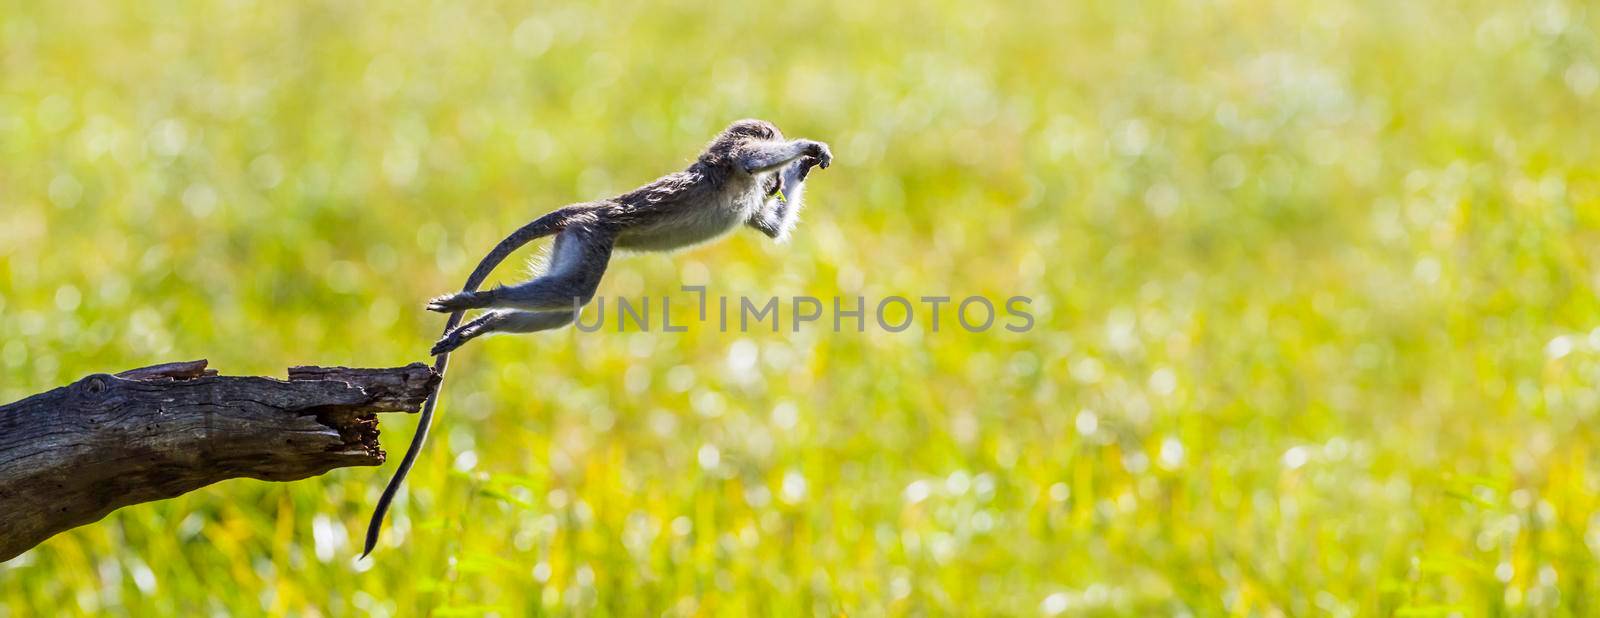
[726,147]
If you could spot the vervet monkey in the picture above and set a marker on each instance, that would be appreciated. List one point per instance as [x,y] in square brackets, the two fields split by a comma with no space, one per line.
[748,175]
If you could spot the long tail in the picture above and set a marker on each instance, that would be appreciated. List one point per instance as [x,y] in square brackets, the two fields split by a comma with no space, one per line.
[543,226]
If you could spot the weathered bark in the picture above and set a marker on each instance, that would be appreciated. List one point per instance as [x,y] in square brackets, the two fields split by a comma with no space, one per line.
[72,455]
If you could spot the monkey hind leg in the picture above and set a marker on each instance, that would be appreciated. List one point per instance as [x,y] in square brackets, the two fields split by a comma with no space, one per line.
[577,262]
[505,321]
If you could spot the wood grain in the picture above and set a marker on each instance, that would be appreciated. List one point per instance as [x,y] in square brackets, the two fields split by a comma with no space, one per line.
[72,455]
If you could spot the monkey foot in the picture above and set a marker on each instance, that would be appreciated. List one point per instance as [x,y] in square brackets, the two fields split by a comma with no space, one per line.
[451,303]
[446,346]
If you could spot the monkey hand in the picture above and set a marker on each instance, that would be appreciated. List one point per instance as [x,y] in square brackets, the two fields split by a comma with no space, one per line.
[820,152]
[451,303]
[804,165]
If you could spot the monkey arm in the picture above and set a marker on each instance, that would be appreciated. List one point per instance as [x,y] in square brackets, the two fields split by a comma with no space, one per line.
[761,157]
[779,214]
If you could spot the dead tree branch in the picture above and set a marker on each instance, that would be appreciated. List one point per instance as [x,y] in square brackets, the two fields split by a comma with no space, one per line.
[72,455]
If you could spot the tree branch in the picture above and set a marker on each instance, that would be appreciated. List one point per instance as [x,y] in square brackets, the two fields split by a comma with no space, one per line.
[72,455]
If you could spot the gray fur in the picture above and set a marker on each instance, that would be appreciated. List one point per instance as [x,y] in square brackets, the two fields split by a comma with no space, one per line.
[749,175]
[785,193]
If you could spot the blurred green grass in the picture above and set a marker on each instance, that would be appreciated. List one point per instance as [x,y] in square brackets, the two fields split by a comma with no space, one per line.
[1315,282]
